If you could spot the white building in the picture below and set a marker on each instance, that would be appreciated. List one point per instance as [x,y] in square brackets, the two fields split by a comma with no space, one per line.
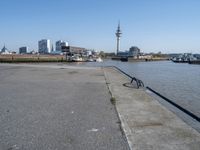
[44,46]
[59,45]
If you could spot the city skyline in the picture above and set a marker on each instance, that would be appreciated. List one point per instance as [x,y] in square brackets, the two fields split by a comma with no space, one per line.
[167,26]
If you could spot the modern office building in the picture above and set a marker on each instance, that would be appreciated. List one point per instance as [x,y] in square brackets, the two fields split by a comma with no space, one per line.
[59,45]
[23,50]
[44,46]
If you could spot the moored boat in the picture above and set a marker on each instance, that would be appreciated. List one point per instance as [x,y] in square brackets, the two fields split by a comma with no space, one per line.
[124,59]
[99,59]
[184,58]
[90,60]
[77,58]
[194,62]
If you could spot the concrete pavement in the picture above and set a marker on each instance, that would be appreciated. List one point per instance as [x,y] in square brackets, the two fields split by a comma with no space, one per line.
[148,125]
[48,107]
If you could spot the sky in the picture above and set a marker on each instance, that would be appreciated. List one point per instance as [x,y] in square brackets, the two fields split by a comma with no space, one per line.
[169,26]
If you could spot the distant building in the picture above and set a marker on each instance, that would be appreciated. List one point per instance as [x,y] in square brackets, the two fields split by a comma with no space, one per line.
[23,50]
[44,46]
[52,49]
[87,53]
[33,52]
[73,50]
[134,52]
[59,45]
[123,54]
[146,56]
[4,49]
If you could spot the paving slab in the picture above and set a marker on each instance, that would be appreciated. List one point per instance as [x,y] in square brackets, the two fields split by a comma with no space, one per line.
[48,107]
[147,124]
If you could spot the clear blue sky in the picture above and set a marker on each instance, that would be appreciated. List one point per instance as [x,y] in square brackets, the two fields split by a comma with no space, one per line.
[152,25]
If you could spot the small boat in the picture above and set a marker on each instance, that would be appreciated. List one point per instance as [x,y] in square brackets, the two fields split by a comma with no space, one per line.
[77,58]
[120,58]
[90,60]
[99,59]
[194,61]
[183,58]
[124,59]
[180,61]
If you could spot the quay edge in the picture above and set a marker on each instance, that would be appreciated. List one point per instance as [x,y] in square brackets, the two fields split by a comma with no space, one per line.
[146,123]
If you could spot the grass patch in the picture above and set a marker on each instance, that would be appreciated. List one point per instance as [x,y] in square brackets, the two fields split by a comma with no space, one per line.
[113,100]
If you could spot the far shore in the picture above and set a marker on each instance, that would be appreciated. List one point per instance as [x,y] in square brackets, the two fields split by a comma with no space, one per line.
[16,58]
[35,58]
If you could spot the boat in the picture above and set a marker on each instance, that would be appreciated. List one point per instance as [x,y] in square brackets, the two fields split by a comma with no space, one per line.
[183,58]
[124,59]
[194,61]
[77,58]
[90,60]
[99,59]
[181,61]
[187,58]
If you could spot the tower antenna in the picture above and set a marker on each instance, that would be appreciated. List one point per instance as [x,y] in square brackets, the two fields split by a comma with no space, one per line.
[118,35]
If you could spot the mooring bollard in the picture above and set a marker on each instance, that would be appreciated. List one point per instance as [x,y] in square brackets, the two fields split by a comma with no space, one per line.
[138,82]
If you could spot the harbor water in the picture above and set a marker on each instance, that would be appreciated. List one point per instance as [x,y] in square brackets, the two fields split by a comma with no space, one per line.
[179,82]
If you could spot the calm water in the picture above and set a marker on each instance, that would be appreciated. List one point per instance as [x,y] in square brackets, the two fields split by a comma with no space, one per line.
[176,81]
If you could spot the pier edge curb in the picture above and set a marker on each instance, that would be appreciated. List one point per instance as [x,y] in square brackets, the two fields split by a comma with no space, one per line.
[124,127]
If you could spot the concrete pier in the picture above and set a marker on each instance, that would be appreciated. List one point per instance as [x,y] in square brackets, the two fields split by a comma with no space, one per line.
[147,124]
[50,107]
[54,106]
